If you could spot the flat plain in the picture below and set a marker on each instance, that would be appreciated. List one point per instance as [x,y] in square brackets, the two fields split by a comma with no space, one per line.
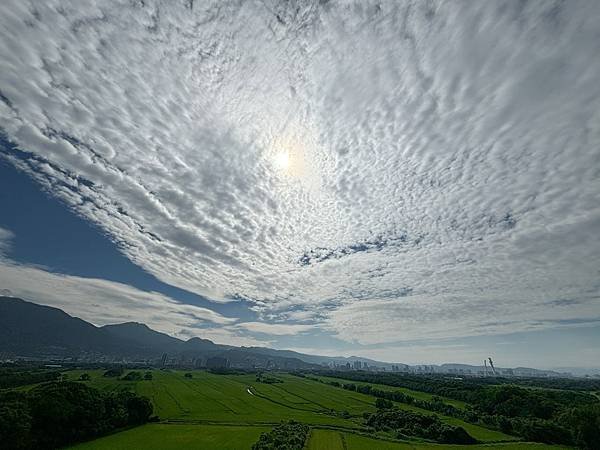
[210,411]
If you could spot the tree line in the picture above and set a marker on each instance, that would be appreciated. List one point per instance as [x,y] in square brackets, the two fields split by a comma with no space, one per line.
[56,414]
[15,377]
[407,423]
[540,415]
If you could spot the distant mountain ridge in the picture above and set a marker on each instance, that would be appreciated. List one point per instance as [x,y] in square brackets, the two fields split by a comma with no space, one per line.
[36,331]
[142,336]
[31,330]
[24,327]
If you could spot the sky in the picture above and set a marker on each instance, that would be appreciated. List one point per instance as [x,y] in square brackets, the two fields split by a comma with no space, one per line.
[415,182]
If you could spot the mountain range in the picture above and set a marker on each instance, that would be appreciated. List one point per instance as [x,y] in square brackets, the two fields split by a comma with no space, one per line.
[36,331]
[30,330]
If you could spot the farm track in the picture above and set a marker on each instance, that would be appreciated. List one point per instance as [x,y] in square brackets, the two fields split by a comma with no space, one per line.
[175,400]
[191,386]
[264,397]
[325,408]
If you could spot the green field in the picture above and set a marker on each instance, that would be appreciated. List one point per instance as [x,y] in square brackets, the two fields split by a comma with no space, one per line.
[212,411]
[480,433]
[416,394]
[234,399]
[184,437]
[219,437]
[335,440]
[325,439]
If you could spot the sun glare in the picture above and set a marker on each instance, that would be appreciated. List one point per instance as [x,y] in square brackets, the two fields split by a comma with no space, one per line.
[282,160]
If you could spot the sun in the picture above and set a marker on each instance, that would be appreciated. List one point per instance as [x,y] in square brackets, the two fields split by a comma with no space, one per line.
[282,160]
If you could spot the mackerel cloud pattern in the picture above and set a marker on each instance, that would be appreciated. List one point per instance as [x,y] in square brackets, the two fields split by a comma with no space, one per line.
[440,170]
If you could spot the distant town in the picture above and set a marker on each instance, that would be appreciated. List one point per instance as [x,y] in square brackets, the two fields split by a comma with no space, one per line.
[177,361]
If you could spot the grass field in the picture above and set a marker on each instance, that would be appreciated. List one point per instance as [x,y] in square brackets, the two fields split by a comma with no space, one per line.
[356,442]
[335,440]
[416,394]
[212,411]
[219,437]
[209,398]
[178,437]
[325,439]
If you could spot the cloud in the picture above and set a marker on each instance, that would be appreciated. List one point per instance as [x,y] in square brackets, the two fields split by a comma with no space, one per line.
[228,336]
[276,329]
[104,302]
[419,317]
[6,236]
[442,175]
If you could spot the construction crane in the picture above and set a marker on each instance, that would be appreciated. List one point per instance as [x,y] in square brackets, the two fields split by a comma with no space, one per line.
[492,366]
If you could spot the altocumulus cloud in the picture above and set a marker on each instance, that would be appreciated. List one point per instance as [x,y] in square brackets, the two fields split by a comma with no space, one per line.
[385,170]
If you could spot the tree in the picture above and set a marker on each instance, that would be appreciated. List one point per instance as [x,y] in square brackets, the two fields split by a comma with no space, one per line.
[382,403]
[407,423]
[139,409]
[56,414]
[65,412]
[585,425]
[454,435]
[113,373]
[15,421]
[132,376]
[285,436]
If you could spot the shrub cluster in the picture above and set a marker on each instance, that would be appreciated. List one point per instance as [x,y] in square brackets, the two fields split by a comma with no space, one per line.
[406,423]
[132,376]
[117,372]
[267,379]
[285,436]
